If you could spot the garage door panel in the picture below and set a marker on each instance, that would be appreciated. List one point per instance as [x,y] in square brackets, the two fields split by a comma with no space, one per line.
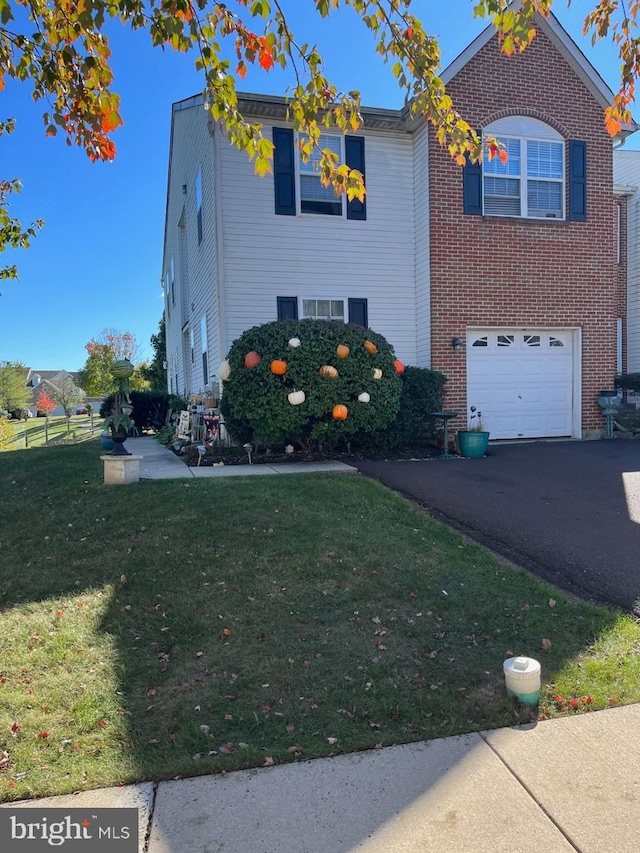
[522,381]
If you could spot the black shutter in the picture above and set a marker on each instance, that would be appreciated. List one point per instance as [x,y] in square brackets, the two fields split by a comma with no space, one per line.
[472,189]
[577,180]
[358,313]
[287,307]
[284,178]
[354,155]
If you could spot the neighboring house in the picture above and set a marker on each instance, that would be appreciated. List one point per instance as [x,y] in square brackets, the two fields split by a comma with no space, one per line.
[47,381]
[509,278]
[626,175]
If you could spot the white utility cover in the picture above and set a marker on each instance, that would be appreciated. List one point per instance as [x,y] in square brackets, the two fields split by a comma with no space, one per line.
[521,381]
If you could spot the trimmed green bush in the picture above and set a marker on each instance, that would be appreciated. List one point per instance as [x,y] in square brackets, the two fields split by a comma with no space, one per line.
[150,408]
[422,393]
[628,381]
[255,401]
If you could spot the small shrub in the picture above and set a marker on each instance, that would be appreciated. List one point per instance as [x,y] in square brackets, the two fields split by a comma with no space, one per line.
[150,408]
[6,433]
[423,392]
[628,381]
[166,435]
[256,405]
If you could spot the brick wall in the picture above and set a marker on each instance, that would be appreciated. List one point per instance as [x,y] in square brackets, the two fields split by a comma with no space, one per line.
[498,271]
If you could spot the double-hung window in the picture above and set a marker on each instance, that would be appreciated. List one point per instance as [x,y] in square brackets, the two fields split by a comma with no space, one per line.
[531,181]
[314,197]
[323,309]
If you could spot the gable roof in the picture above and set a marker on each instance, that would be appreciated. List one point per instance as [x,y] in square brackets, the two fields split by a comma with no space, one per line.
[563,43]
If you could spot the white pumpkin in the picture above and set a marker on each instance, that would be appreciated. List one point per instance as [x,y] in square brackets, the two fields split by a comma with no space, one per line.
[294,342]
[377,373]
[224,371]
[296,397]
[364,397]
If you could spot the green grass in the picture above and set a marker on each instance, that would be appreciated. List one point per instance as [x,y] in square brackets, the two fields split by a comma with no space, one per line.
[280,618]
[32,433]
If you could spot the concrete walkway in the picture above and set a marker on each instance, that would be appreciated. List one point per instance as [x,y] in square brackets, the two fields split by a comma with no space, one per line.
[555,787]
[158,463]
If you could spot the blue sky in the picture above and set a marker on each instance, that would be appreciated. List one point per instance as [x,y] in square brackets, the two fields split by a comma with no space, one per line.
[97,263]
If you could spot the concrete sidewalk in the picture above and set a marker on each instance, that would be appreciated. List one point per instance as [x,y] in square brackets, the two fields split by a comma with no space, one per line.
[158,463]
[561,785]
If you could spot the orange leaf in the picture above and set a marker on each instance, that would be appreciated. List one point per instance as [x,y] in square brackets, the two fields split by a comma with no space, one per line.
[503,156]
[613,126]
[266,55]
[241,70]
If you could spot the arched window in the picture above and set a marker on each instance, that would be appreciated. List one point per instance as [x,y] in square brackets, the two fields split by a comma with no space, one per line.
[531,183]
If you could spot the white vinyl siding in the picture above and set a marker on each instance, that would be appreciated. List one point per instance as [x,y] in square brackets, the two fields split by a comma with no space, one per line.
[310,257]
[195,263]
[422,244]
[626,173]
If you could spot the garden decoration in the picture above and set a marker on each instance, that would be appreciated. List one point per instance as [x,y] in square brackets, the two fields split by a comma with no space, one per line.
[365,397]
[119,421]
[342,350]
[294,342]
[377,373]
[327,371]
[297,397]
[474,440]
[340,412]
[370,347]
[252,359]
[398,366]
[278,367]
[224,370]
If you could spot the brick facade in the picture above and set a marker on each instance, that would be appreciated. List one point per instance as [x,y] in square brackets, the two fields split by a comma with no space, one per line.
[501,272]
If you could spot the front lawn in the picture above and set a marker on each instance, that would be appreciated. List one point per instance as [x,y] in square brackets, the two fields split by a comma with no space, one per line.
[174,628]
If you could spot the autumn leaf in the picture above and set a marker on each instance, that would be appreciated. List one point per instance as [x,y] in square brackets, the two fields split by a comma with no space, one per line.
[4,760]
[331,740]
[268,761]
[15,728]
[227,748]
[574,703]
[503,156]
[546,644]
[43,734]
[552,602]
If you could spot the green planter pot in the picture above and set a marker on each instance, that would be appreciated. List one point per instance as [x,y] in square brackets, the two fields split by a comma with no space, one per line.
[473,445]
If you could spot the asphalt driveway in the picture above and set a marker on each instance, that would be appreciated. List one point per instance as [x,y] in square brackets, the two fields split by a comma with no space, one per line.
[568,511]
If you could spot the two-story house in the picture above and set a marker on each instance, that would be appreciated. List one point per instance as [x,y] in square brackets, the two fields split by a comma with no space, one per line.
[510,278]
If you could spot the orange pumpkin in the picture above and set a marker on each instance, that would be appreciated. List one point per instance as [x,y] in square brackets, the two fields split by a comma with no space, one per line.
[399,366]
[252,359]
[342,351]
[278,367]
[370,347]
[327,371]
[340,412]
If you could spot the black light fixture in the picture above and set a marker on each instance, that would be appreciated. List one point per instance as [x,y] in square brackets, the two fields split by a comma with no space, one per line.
[456,344]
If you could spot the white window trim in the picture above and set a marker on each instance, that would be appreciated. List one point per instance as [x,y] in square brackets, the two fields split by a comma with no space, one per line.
[340,198]
[343,299]
[526,129]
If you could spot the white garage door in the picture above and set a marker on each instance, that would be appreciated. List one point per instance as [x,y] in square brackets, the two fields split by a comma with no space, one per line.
[522,381]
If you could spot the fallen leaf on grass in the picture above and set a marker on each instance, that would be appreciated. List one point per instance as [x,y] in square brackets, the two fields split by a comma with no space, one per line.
[552,602]
[268,761]
[204,730]
[227,748]
[526,607]
[43,735]
[331,740]
[4,760]
[15,728]
[290,728]
[546,644]
[296,749]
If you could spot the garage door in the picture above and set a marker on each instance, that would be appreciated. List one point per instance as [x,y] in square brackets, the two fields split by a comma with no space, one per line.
[522,381]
